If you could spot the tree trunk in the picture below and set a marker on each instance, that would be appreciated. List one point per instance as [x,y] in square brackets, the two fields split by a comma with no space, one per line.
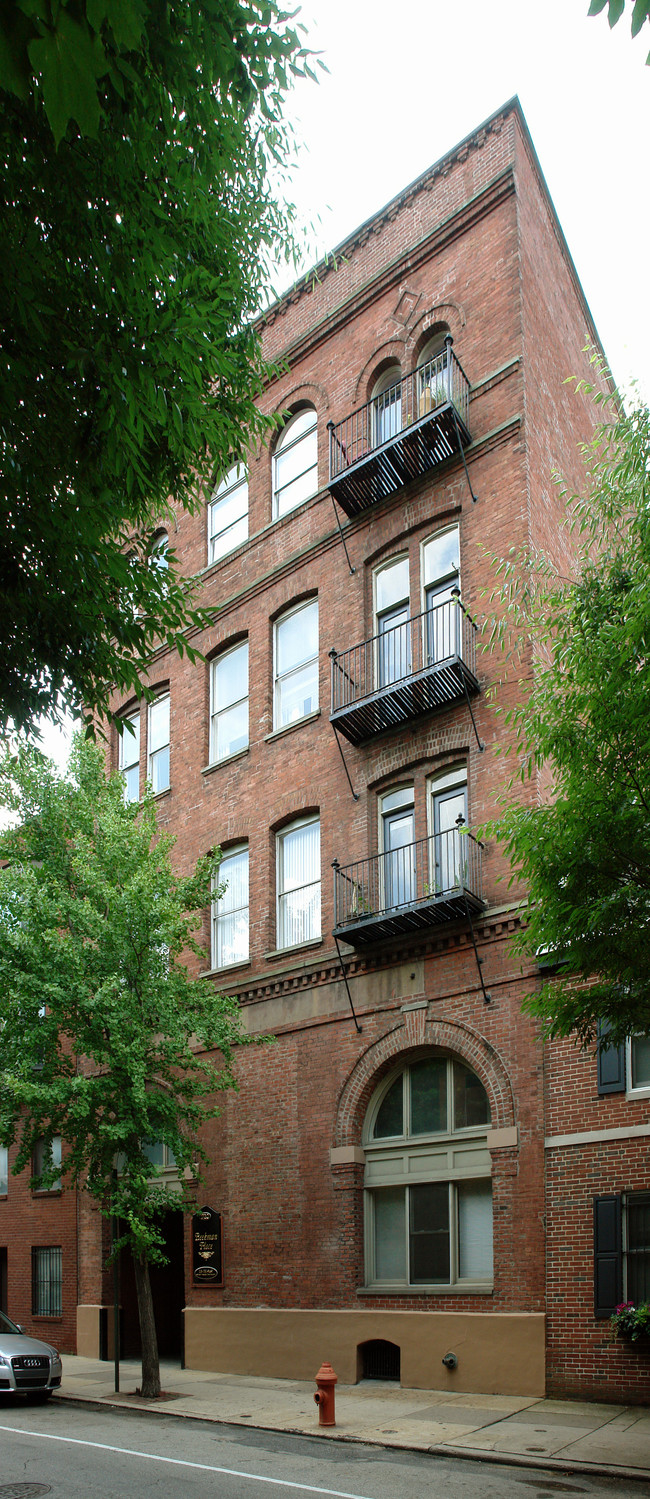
[150,1361]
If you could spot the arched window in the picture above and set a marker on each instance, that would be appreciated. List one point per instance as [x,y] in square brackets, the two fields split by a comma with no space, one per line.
[428,1188]
[295,463]
[158,551]
[386,405]
[433,372]
[228,513]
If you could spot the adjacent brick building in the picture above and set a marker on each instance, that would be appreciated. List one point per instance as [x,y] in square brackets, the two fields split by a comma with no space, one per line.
[407,1171]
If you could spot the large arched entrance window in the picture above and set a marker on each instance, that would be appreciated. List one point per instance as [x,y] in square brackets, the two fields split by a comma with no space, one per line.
[428,1192]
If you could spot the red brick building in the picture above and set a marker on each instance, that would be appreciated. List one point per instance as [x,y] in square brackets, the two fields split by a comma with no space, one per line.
[406,1172]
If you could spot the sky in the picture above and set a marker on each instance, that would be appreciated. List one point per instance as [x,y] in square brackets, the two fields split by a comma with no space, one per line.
[407,81]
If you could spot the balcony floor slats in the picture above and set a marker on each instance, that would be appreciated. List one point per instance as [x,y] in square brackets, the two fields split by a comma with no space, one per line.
[434,687]
[436,911]
[412,452]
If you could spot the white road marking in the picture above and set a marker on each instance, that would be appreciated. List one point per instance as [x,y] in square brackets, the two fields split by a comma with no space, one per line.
[179,1462]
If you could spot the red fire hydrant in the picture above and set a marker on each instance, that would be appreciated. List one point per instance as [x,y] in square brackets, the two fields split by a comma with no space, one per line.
[324,1397]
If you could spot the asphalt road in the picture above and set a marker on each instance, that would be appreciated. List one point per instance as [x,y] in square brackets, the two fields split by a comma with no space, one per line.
[71,1452]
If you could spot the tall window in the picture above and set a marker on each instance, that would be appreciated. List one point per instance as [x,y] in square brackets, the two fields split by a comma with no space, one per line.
[47,1157]
[391,621]
[298,882]
[386,406]
[428,1188]
[295,464]
[433,373]
[228,513]
[158,745]
[4,1170]
[448,802]
[229,705]
[129,750]
[230,911]
[638,1063]
[440,576]
[158,552]
[398,847]
[296,665]
[47,1282]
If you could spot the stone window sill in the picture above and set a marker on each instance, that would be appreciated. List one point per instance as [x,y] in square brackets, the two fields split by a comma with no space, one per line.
[208,770]
[466,1288]
[283,952]
[289,728]
[211,973]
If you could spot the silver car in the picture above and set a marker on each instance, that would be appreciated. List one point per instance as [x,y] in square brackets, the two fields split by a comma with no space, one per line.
[27,1366]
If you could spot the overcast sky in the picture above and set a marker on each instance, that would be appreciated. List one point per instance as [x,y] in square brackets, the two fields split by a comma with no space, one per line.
[409,79]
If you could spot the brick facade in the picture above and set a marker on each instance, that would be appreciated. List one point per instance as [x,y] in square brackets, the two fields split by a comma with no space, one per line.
[473,246]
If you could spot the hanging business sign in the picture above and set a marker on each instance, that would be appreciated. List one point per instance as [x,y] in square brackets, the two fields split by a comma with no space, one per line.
[207,1258]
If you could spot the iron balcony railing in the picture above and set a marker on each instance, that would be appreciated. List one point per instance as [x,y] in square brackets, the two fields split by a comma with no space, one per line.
[412,668]
[402,433]
[437,879]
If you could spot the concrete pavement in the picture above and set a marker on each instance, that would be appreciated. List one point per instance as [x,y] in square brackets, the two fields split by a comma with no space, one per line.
[569,1435]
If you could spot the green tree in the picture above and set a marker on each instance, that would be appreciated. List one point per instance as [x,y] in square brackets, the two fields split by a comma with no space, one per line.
[615,9]
[107,1040]
[142,207]
[585,728]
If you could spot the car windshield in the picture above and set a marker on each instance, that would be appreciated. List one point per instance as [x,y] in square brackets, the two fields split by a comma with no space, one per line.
[6,1324]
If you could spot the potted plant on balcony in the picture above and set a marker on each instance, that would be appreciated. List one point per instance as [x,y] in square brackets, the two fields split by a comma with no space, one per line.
[630,1321]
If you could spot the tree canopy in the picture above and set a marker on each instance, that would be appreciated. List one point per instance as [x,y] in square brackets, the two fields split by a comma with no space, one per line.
[585,856]
[107,1040]
[143,152]
[615,9]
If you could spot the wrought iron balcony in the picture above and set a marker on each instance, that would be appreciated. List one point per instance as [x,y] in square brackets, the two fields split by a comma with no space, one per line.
[400,434]
[423,884]
[414,668]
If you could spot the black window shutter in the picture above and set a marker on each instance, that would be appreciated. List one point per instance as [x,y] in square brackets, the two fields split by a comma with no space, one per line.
[611,1064]
[608,1259]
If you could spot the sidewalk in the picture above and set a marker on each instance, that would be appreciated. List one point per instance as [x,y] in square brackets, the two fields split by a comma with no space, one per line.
[560,1434]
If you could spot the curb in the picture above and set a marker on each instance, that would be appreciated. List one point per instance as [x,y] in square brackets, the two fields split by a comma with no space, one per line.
[471,1454]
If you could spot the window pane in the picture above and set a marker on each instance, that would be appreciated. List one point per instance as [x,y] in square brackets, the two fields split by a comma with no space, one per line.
[231,677]
[159,770]
[640,1046]
[231,911]
[130,742]
[638,1242]
[154,1151]
[429,1232]
[301,856]
[475,1230]
[232,730]
[297,638]
[390,1116]
[296,463]
[441,557]
[429,1096]
[299,884]
[390,1238]
[392,584]
[471,1105]
[158,723]
[300,916]
[46,1283]
[229,513]
[4,1170]
[298,694]
[132,784]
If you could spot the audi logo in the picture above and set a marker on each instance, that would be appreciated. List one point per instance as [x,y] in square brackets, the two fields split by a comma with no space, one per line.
[32,1363]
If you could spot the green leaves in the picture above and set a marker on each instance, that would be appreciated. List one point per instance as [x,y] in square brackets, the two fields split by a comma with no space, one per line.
[615,9]
[68,61]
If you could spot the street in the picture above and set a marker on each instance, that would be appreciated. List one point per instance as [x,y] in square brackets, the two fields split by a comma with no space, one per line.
[74,1453]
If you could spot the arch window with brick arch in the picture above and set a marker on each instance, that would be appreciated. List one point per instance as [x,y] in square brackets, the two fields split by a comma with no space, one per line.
[295,462]
[428,1189]
[433,372]
[228,513]
[229,703]
[386,405]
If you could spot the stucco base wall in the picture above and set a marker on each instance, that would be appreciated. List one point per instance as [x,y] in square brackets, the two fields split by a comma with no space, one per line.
[498,1354]
[88,1331]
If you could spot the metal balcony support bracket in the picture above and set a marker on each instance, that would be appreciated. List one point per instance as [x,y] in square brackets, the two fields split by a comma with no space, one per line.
[345,981]
[354,793]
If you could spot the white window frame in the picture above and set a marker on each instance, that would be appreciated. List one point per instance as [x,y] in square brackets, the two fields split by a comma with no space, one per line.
[405,1160]
[443,639]
[455,778]
[641,1090]
[280,921]
[164,745]
[129,741]
[379,408]
[280,678]
[233,484]
[286,444]
[392,657]
[4,1170]
[216,713]
[216,914]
